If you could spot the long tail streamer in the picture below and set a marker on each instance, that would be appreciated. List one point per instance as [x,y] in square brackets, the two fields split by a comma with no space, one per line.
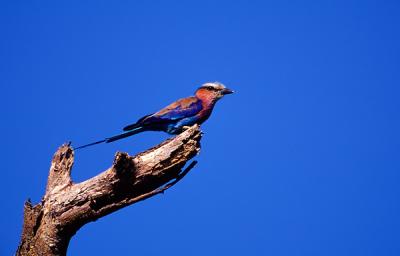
[113,138]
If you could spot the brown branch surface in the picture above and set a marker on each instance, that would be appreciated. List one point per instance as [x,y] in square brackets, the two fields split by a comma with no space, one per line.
[66,206]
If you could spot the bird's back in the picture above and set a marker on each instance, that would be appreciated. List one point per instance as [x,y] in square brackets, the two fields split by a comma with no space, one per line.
[171,114]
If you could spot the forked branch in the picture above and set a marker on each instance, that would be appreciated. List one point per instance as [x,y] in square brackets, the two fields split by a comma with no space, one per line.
[66,206]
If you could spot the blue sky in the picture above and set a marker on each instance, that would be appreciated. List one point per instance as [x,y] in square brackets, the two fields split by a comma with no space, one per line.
[302,160]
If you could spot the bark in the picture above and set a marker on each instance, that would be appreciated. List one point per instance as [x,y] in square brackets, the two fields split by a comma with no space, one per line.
[66,206]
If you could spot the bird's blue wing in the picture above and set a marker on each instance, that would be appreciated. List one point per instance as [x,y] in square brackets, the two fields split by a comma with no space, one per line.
[180,109]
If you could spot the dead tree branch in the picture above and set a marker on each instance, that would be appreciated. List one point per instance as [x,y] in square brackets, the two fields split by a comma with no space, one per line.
[66,206]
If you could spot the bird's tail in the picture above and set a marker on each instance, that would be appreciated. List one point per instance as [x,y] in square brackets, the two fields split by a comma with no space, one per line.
[91,144]
[114,138]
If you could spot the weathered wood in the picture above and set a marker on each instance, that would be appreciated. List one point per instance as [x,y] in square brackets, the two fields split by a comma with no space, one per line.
[66,207]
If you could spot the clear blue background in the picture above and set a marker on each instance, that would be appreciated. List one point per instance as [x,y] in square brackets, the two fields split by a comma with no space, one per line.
[302,160]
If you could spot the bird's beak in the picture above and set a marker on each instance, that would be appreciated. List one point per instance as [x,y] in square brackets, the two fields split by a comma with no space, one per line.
[227,91]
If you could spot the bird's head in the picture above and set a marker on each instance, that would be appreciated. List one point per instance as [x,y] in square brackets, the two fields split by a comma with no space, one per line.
[213,91]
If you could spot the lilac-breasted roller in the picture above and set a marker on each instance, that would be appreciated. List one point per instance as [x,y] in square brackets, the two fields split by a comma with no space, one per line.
[178,115]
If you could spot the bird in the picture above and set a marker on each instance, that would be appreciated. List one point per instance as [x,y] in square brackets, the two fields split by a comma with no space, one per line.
[178,116]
